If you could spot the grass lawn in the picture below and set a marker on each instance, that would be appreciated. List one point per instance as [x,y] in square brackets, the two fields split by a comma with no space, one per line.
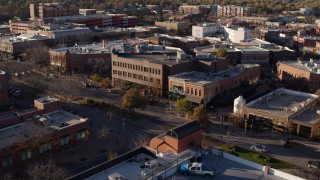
[263,159]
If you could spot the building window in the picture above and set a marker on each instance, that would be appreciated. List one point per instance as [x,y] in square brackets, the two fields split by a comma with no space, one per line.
[65,140]
[113,62]
[124,73]
[45,148]
[134,76]
[140,77]
[129,74]
[145,78]
[141,68]
[159,72]
[130,66]
[152,70]
[118,63]
[199,92]
[188,89]
[26,154]
[120,73]
[191,90]
[146,69]
[81,135]
[115,71]
[7,161]
[151,80]
[196,92]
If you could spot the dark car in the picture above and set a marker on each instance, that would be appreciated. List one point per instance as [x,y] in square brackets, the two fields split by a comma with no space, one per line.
[285,143]
[314,164]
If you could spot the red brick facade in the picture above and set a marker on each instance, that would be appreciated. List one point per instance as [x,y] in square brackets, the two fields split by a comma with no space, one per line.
[4,99]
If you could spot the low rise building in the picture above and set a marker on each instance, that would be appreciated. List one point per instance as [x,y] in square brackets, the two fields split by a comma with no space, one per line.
[85,58]
[236,34]
[254,55]
[11,47]
[3,89]
[179,27]
[201,88]
[207,29]
[285,110]
[40,133]
[304,72]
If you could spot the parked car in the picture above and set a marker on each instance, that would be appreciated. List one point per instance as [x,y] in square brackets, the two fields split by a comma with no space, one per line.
[314,164]
[197,169]
[259,148]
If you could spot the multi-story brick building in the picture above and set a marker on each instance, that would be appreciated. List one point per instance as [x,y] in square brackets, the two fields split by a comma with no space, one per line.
[190,9]
[41,133]
[45,10]
[307,73]
[3,89]
[200,87]
[179,27]
[84,58]
[232,10]
[146,68]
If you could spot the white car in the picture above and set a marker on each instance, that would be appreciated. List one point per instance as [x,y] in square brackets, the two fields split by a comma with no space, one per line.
[259,148]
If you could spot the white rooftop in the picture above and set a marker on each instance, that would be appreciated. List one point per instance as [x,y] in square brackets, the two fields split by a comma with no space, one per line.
[311,66]
[47,99]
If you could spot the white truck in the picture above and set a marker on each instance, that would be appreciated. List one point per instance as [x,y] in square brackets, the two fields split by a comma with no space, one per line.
[197,169]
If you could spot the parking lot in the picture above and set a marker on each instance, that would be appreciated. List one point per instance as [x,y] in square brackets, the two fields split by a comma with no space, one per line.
[227,170]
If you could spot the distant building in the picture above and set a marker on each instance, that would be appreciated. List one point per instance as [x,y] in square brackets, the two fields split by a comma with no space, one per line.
[254,55]
[201,88]
[179,27]
[284,110]
[306,11]
[39,133]
[207,29]
[86,12]
[304,72]
[45,10]
[11,47]
[194,9]
[232,10]
[236,34]
[3,89]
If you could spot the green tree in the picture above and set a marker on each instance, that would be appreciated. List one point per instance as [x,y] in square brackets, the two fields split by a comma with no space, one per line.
[96,78]
[221,52]
[199,113]
[132,99]
[183,105]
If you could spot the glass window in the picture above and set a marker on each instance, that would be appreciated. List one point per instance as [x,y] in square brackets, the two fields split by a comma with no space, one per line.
[129,74]
[188,89]
[26,154]
[191,90]
[151,80]
[196,92]
[7,161]
[45,147]
[64,140]
[115,71]
[199,92]
[81,135]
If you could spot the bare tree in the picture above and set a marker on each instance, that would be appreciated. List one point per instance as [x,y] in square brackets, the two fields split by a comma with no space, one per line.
[112,155]
[139,141]
[47,170]
[38,56]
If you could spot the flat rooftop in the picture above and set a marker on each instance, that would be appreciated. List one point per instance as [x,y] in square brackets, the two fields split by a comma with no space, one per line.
[22,38]
[251,49]
[8,115]
[205,78]
[95,48]
[154,57]
[137,168]
[47,99]
[282,102]
[310,116]
[37,126]
[312,67]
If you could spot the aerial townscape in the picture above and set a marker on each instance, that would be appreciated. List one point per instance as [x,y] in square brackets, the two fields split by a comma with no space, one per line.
[146,90]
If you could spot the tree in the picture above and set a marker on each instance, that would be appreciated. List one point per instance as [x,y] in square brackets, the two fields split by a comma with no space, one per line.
[47,170]
[156,87]
[112,155]
[221,52]
[139,141]
[38,56]
[132,99]
[204,42]
[183,105]
[106,83]
[96,78]
[199,113]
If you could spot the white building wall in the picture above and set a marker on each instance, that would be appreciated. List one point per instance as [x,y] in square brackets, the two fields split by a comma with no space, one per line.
[236,35]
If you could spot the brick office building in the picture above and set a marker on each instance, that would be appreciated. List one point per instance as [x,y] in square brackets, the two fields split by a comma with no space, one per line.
[201,88]
[3,89]
[45,10]
[82,59]
[307,74]
[42,134]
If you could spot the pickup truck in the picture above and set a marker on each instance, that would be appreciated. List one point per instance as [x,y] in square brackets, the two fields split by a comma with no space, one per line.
[197,169]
